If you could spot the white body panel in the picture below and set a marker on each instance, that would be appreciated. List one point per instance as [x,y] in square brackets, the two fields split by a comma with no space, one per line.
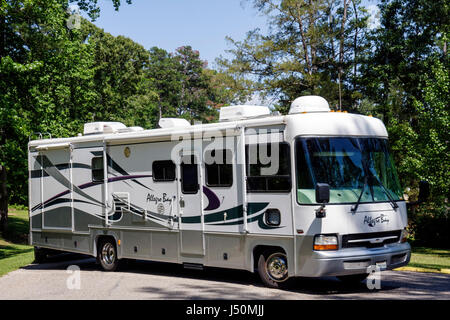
[148,218]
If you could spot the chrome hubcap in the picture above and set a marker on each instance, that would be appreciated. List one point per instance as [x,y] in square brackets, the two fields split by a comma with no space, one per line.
[108,254]
[277,267]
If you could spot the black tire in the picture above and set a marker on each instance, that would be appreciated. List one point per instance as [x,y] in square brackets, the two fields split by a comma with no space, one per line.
[107,255]
[40,255]
[353,278]
[277,261]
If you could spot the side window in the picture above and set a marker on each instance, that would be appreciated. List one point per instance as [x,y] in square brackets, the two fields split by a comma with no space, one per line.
[267,173]
[189,175]
[163,170]
[219,173]
[97,169]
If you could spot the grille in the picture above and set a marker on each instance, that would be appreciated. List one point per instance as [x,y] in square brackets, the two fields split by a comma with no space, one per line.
[370,240]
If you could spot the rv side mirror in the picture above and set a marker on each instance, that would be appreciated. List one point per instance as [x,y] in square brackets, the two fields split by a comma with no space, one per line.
[424,191]
[322,193]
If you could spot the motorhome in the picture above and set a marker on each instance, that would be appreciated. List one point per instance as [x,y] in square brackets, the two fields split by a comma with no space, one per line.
[312,193]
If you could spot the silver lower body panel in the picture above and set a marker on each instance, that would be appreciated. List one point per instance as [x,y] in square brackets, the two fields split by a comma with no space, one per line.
[355,260]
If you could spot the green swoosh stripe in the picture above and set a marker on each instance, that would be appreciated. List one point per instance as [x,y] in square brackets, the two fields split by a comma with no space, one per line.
[232,213]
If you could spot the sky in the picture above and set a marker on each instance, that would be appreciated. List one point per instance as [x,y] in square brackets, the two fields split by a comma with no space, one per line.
[202,24]
[169,24]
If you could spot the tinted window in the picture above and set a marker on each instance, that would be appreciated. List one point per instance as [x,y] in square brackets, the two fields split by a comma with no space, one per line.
[163,170]
[97,169]
[220,172]
[189,175]
[346,164]
[268,168]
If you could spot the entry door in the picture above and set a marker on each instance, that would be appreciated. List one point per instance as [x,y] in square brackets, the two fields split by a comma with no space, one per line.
[190,203]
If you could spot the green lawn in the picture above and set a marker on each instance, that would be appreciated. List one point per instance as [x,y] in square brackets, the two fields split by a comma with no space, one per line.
[427,258]
[14,251]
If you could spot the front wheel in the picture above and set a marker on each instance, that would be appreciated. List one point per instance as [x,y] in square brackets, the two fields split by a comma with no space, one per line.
[273,269]
[107,255]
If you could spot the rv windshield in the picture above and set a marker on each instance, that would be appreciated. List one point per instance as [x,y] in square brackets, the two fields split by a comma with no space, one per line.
[344,163]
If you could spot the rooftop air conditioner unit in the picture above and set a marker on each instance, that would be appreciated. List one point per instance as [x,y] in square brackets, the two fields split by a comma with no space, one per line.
[309,104]
[241,112]
[173,123]
[102,127]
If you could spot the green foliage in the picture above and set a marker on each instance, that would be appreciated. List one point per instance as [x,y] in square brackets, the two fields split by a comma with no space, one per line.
[397,72]
[121,88]
[429,225]
[13,251]
[54,79]
[434,128]
[92,8]
[406,78]
[312,47]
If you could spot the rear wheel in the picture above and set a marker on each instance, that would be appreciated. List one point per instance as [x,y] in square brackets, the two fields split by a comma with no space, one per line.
[273,269]
[107,255]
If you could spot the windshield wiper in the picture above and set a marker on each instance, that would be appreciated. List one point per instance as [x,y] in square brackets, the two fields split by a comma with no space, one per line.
[393,203]
[367,177]
[355,207]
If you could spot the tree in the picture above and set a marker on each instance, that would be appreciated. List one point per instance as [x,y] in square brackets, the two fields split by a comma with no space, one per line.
[49,80]
[119,79]
[45,78]
[92,8]
[53,79]
[184,86]
[165,79]
[3,199]
[311,48]
[403,77]
[193,99]
[410,32]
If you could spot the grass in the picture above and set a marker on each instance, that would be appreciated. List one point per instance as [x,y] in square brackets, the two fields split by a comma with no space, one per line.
[430,259]
[14,251]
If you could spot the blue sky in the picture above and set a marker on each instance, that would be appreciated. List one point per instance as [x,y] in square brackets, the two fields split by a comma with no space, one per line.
[169,24]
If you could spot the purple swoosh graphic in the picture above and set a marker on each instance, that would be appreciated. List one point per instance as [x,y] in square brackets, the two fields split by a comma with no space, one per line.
[213,200]
[88,185]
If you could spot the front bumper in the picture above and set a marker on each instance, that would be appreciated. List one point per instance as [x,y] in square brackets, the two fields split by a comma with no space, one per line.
[356,260]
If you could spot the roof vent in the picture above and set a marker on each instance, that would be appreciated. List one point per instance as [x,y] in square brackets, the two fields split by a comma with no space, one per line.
[309,104]
[241,112]
[102,127]
[131,129]
[173,122]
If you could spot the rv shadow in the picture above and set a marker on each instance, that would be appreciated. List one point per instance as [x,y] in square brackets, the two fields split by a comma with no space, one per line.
[63,260]
[332,286]
[323,286]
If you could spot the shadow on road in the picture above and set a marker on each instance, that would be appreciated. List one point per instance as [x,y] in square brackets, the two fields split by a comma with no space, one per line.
[311,286]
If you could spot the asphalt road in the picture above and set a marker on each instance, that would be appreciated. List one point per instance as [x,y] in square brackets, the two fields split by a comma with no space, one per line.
[150,280]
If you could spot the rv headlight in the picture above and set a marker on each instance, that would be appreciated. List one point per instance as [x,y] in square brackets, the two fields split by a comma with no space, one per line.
[325,242]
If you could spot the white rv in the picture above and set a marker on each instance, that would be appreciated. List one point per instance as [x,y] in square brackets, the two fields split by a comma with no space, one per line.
[312,193]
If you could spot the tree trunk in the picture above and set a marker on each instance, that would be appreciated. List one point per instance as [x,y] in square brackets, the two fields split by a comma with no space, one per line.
[3,199]
[341,51]
[355,45]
